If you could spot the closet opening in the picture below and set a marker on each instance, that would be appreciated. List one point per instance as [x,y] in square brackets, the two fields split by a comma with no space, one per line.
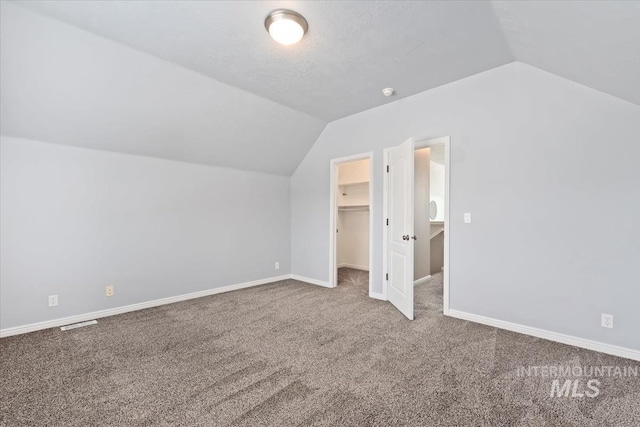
[351,223]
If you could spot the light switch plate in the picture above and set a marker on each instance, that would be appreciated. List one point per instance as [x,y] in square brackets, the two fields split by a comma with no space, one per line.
[467,218]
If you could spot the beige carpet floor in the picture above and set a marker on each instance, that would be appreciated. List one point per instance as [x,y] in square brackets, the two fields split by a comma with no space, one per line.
[295,354]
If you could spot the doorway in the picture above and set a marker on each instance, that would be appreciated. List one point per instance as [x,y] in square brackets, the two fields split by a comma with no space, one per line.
[416,235]
[429,227]
[351,222]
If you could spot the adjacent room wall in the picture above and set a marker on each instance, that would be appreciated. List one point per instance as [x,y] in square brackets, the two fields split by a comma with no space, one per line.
[75,220]
[526,161]
[436,249]
[436,180]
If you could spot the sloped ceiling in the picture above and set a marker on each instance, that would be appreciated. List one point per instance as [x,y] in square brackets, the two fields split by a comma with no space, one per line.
[203,82]
[59,84]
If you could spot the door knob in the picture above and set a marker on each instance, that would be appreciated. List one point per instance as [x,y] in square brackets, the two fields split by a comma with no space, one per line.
[415,238]
[405,237]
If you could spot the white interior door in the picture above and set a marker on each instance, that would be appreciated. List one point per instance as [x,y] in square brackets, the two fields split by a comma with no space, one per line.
[400,230]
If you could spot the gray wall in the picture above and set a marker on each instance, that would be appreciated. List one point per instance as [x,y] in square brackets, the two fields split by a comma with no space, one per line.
[527,163]
[74,220]
[421,222]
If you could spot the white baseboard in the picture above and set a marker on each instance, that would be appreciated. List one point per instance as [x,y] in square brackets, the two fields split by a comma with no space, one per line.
[551,336]
[133,307]
[310,280]
[356,267]
[422,280]
[377,295]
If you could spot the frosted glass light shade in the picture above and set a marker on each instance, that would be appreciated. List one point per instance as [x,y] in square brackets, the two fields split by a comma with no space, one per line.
[286,32]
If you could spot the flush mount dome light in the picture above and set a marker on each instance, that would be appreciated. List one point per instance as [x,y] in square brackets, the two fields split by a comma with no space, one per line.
[286,26]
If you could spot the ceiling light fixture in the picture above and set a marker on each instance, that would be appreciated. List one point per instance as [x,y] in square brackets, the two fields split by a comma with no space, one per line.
[286,26]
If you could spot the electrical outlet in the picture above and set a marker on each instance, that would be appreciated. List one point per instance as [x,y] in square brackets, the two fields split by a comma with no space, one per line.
[277,266]
[108,291]
[606,320]
[53,300]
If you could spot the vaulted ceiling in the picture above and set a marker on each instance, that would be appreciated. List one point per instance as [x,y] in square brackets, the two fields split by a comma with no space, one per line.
[351,52]
[594,43]
[204,82]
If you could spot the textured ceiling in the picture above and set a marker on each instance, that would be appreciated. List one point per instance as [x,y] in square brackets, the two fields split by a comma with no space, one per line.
[202,81]
[353,48]
[595,43]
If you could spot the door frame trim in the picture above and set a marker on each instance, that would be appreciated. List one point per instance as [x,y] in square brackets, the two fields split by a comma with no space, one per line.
[333,214]
[422,143]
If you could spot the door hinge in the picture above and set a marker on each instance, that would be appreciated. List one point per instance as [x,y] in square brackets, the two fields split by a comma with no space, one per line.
[387,168]
[387,221]
[387,277]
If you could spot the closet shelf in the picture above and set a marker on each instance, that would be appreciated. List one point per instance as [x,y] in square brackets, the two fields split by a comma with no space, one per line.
[354,208]
[346,184]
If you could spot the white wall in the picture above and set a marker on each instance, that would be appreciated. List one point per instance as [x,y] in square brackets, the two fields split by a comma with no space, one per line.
[353,195]
[353,239]
[354,172]
[526,162]
[74,220]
